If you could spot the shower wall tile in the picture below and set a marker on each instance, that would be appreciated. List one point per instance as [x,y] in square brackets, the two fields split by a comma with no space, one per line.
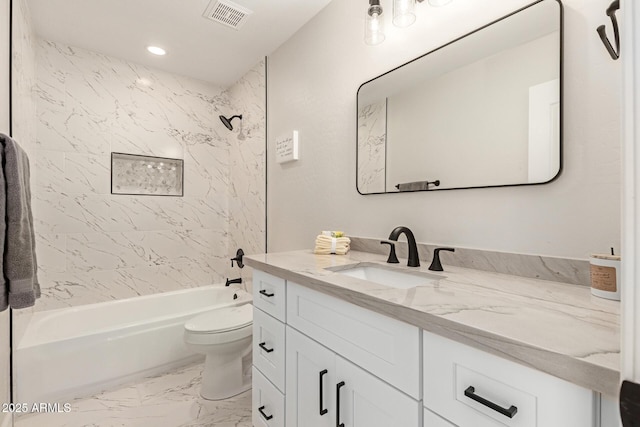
[23,78]
[94,246]
[50,171]
[70,289]
[105,251]
[127,139]
[145,213]
[206,212]
[247,165]
[206,168]
[52,250]
[87,174]
[60,213]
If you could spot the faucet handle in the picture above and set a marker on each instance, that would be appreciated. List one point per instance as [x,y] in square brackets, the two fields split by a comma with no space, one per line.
[436,265]
[238,258]
[393,259]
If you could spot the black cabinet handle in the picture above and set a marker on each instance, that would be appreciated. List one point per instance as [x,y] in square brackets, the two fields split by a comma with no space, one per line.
[263,345]
[266,417]
[338,387]
[322,409]
[266,294]
[470,393]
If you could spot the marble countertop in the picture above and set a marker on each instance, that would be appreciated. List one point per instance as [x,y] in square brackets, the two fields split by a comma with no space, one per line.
[553,327]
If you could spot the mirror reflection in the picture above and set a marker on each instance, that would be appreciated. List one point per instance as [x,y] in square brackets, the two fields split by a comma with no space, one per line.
[481,111]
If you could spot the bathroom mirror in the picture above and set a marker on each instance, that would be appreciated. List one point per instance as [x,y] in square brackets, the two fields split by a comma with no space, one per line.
[481,111]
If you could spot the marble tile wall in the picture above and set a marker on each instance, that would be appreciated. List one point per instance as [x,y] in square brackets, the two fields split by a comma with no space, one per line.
[372,145]
[94,246]
[23,110]
[247,189]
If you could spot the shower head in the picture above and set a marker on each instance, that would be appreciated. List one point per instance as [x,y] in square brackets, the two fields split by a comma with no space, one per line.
[227,121]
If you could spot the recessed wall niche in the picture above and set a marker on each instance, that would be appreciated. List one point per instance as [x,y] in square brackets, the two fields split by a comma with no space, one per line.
[135,174]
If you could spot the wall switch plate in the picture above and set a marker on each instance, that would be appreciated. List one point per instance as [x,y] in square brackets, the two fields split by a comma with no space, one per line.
[287,147]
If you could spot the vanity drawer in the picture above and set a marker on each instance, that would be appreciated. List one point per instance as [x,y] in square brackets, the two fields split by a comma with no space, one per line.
[382,345]
[429,419]
[269,347]
[472,388]
[267,403]
[269,294]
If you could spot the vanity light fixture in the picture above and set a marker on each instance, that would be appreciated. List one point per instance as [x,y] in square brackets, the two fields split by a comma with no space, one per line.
[374,24]
[438,3]
[403,15]
[156,50]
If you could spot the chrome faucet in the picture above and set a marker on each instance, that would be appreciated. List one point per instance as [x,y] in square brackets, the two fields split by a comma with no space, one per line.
[413,260]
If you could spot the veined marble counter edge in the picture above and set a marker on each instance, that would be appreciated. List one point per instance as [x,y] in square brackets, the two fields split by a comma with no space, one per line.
[591,374]
[565,270]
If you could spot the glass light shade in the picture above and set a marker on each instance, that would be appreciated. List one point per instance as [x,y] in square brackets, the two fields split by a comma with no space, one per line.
[404,13]
[374,26]
[439,2]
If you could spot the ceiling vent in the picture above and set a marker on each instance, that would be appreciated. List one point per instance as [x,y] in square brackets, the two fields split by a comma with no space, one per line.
[227,13]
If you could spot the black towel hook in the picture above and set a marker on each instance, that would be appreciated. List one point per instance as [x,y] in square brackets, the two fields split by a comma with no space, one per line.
[611,13]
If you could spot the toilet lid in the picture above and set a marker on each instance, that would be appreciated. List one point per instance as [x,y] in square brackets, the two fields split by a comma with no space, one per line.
[221,320]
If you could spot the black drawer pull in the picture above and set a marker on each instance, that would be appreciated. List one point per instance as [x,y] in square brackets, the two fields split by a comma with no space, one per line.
[266,417]
[470,393]
[338,387]
[266,294]
[263,345]
[322,409]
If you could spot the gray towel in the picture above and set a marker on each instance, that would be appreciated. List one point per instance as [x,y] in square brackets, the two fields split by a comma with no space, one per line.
[20,286]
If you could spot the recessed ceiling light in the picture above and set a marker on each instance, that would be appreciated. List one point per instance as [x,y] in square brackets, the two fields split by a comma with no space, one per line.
[156,50]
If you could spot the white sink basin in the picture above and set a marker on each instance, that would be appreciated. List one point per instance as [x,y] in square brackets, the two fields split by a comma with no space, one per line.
[388,277]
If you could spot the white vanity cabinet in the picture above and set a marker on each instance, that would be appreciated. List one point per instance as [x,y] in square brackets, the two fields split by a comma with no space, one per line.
[343,364]
[320,361]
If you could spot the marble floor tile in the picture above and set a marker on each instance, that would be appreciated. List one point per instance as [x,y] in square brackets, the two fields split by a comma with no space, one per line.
[168,400]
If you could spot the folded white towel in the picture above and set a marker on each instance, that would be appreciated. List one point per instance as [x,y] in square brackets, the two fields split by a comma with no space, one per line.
[326,245]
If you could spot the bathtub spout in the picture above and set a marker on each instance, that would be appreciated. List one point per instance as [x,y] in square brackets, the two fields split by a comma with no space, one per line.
[232,281]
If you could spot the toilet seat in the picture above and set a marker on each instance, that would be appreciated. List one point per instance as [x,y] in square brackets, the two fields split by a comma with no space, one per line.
[221,325]
[221,320]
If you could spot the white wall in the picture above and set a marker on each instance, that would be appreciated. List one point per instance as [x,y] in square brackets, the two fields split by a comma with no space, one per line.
[312,85]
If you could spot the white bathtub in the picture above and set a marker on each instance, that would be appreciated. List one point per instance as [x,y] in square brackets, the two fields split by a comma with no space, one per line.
[79,351]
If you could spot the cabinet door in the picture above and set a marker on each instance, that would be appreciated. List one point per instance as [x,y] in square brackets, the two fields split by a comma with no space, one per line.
[310,399]
[429,419]
[363,400]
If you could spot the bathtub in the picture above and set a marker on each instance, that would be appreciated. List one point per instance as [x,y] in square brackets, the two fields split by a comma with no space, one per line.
[79,351]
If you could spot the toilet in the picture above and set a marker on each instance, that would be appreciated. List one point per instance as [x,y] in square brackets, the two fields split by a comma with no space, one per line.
[224,336]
